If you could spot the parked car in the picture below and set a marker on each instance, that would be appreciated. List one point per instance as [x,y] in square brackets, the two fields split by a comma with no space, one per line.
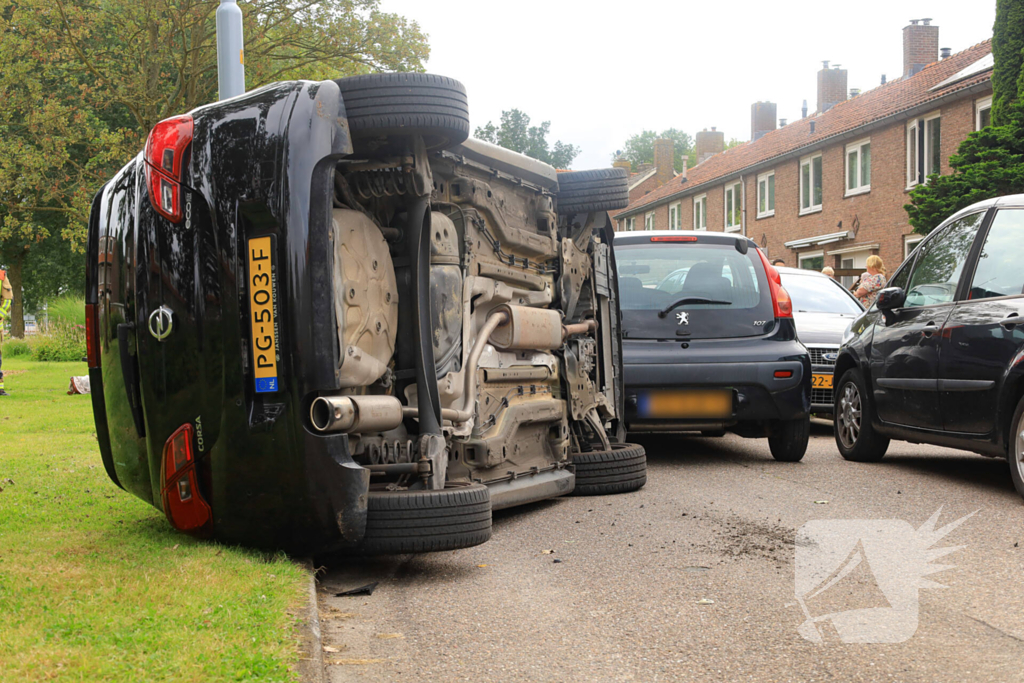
[823,310]
[321,318]
[718,350]
[939,358]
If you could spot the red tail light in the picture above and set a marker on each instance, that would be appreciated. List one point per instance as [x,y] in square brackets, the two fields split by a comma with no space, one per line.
[674,238]
[183,504]
[781,302]
[92,337]
[783,374]
[165,160]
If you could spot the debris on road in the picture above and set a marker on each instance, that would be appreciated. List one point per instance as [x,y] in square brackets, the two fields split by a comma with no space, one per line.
[821,502]
[705,601]
[362,590]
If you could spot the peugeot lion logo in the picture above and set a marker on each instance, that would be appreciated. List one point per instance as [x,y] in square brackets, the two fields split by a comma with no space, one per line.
[161,323]
[683,318]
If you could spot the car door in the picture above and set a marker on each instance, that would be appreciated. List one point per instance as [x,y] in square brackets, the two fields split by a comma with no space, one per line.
[904,356]
[985,331]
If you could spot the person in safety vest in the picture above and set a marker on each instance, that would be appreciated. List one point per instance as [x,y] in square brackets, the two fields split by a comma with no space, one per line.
[6,297]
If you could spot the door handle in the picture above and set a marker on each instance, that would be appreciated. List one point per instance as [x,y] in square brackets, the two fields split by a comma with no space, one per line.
[1009,321]
[929,328]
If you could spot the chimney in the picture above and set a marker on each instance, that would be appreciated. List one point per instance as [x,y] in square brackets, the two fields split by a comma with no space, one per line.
[803,110]
[831,87]
[664,160]
[685,160]
[945,52]
[762,119]
[622,162]
[920,45]
[883,79]
[782,123]
[709,143]
[854,92]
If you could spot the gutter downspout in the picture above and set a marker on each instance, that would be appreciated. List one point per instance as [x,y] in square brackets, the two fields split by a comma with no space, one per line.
[230,50]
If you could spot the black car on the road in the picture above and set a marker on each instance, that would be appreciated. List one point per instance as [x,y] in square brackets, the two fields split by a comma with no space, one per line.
[709,341]
[823,310]
[939,358]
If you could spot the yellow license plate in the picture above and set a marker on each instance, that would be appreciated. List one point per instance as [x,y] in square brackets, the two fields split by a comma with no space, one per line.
[263,312]
[819,381]
[686,404]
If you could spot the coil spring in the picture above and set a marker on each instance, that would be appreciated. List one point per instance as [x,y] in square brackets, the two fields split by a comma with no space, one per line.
[378,184]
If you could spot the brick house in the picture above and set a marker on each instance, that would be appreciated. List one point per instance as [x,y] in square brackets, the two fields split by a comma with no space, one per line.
[829,189]
[648,177]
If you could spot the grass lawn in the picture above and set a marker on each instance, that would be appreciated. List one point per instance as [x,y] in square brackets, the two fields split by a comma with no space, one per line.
[95,585]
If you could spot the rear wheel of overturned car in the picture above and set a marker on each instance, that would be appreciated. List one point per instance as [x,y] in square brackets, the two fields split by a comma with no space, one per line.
[620,470]
[385,110]
[855,436]
[602,189]
[400,522]
[788,439]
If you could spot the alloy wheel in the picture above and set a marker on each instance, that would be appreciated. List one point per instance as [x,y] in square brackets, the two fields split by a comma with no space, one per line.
[1018,449]
[850,413]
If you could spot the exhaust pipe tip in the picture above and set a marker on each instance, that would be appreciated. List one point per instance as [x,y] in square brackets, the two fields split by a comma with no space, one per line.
[322,414]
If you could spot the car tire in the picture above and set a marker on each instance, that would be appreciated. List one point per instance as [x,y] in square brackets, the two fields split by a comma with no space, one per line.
[1015,451]
[399,522]
[601,473]
[602,189]
[714,433]
[852,425]
[788,439]
[380,107]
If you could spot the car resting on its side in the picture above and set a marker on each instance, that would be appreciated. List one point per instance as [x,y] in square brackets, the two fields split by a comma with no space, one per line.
[320,318]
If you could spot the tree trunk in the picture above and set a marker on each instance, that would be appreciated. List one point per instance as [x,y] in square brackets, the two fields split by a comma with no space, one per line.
[18,305]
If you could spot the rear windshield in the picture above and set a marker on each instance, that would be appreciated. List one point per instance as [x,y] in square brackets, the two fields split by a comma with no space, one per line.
[726,293]
[813,294]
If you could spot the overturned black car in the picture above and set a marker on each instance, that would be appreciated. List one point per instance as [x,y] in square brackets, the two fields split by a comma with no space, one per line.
[320,318]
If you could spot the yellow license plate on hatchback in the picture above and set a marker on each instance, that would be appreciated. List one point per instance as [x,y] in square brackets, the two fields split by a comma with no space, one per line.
[263,312]
[821,381]
[686,404]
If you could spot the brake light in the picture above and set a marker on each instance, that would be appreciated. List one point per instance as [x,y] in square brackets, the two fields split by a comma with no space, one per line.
[781,302]
[165,160]
[183,504]
[673,238]
[783,374]
[92,338]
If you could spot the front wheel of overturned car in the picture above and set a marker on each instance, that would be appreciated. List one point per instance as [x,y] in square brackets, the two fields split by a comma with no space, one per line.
[855,434]
[620,470]
[399,522]
[788,439]
[602,189]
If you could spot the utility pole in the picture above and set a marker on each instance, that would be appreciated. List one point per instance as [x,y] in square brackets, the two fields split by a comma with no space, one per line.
[230,50]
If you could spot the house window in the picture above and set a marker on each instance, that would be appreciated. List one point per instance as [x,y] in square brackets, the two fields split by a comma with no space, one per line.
[815,261]
[810,184]
[733,206]
[766,194]
[983,115]
[924,149]
[649,220]
[631,224]
[675,219]
[847,280]
[909,244]
[932,146]
[913,161]
[858,167]
[700,212]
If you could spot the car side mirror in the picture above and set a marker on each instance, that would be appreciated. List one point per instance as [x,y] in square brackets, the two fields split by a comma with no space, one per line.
[890,298]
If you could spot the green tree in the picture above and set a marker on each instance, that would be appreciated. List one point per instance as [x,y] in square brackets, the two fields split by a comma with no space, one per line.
[83,82]
[639,148]
[1008,49]
[516,133]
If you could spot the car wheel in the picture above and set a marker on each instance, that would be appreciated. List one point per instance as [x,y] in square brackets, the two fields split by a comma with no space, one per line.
[1015,452]
[788,439]
[712,432]
[620,470]
[855,436]
[602,189]
[379,106]
[399,522]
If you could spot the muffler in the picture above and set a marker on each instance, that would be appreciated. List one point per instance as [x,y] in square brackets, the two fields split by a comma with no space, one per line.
[355,414]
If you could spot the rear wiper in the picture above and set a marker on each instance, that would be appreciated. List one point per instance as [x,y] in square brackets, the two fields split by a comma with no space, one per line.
[691,300]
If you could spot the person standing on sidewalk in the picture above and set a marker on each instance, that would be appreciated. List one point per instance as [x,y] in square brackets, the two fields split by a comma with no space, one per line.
[6,297]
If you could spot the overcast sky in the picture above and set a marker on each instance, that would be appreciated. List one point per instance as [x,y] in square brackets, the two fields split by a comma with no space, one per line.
[601,71]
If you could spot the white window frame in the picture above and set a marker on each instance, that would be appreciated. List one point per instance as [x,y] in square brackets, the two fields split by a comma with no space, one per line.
[809,255]
[981,105]
[812,207]
[769,198]
[910,243]
[675,216]
[860,187]
[649,220]
[700,222]
[631,224]
[737,212]
[928,145]
[913,159]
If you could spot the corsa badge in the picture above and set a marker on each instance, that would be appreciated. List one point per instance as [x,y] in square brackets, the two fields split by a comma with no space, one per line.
[682,318]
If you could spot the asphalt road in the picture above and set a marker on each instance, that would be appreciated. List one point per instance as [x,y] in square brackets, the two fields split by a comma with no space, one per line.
[693,578]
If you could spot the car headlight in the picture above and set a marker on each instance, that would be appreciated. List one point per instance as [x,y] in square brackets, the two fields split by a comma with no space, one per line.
[848,334]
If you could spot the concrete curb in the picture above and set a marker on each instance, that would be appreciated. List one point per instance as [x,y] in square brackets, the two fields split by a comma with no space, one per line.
[311,650]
